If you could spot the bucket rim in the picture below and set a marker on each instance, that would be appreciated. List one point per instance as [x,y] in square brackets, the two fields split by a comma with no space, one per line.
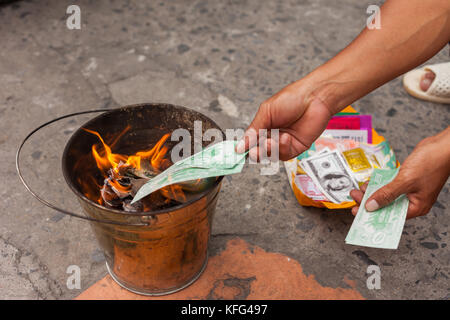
[81,196]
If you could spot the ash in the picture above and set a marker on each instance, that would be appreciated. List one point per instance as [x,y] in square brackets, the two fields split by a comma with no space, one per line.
[121,186]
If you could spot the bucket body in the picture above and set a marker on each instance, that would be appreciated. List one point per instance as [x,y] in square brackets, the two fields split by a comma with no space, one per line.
[163,257]
[151,253]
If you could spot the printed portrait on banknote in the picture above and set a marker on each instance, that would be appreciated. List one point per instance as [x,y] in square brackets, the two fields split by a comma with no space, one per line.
[331,174]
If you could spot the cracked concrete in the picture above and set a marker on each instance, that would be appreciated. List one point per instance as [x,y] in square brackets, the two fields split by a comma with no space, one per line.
[222,58]
[21,269]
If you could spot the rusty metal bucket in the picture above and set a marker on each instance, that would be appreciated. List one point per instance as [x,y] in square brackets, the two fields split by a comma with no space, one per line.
[149,253]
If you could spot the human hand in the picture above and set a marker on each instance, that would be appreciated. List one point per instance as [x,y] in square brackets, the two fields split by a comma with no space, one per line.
[299,114]
[421,178]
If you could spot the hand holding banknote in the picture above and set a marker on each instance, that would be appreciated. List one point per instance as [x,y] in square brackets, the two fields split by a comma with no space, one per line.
[297,112]
[421,178]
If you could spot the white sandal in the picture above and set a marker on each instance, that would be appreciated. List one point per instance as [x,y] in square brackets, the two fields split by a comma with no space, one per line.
[439,90]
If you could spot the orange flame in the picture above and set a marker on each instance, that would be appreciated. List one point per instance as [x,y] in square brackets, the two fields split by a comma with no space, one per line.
[110,160]
[174,192]
[106,159]
[114,160]
[115,184]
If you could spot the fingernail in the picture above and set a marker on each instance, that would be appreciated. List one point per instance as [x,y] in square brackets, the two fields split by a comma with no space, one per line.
[240,146]
[372,205]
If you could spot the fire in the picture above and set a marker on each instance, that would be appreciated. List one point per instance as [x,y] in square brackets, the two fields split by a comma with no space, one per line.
[114,160]
[156,155]
[113,165]
[120,188]
[174,192]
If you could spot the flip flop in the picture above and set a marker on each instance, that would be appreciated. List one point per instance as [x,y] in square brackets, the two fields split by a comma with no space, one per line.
[439,90]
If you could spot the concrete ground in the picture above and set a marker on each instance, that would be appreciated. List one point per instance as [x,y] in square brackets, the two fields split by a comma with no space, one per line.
[221,58]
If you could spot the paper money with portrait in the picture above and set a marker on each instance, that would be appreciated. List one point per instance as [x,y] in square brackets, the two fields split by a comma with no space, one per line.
[331,175]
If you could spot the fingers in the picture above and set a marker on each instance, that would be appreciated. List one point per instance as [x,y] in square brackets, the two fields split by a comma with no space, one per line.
[289,146]
[357,195]
[249,140]
[418,206]
[414,210]
[385,195]
[286,146]
[264,149]
[363,188]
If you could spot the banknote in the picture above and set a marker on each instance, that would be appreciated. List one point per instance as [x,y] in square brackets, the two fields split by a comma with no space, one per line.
[220,155]
[308,188]
[382,228]
[217,160]
[331,175]
[300,170]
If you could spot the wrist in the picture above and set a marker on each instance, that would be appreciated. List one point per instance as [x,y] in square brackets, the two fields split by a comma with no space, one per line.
[324,86]
[443,140]
[338,83]
[440,150]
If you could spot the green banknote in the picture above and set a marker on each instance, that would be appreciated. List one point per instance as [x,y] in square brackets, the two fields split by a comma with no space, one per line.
[217,160]
[382,228]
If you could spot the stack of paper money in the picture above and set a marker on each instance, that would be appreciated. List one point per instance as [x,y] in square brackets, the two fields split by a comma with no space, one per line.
[331,177]
[342,159]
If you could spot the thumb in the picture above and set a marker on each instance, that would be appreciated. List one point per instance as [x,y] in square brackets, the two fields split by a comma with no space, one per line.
[385,195]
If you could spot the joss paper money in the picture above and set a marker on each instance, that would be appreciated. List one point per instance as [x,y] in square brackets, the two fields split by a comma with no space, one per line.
[216,160]
[382,228]
[331,175]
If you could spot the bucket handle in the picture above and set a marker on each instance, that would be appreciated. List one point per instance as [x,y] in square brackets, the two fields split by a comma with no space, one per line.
[48,204]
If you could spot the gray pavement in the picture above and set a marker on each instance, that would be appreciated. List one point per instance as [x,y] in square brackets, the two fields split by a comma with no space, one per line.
[222,58]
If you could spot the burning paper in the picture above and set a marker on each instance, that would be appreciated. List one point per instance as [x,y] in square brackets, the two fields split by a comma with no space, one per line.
[217,160]
[124,175]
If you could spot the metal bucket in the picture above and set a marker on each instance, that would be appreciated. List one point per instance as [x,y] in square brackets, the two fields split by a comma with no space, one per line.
[150,253]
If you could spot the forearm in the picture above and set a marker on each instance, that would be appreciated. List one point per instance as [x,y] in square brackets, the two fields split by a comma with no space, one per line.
[442,154]
[412,31]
